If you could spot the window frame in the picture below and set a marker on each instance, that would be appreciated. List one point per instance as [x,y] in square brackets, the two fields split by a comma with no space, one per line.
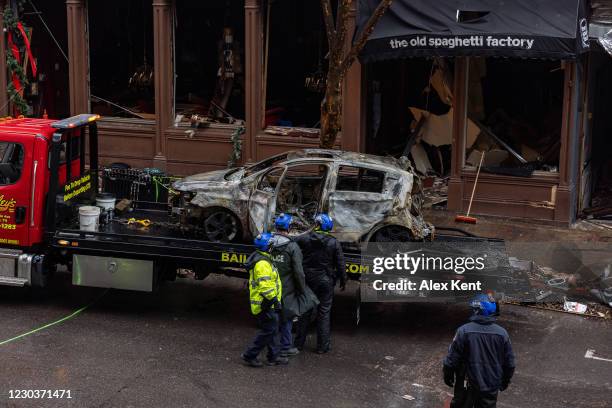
[22,165]
[359,167]
[120,120]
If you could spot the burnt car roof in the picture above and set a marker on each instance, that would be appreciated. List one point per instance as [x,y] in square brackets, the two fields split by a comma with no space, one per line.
[344,156]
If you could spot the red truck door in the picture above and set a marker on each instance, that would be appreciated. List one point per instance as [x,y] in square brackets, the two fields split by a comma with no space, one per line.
[16,167]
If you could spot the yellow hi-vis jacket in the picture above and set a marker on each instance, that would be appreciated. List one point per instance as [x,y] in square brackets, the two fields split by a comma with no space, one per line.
[264,281]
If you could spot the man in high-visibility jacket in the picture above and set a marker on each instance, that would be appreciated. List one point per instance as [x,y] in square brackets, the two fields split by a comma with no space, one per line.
[266,293]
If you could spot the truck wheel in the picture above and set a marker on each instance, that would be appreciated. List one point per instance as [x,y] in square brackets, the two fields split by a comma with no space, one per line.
[221,226]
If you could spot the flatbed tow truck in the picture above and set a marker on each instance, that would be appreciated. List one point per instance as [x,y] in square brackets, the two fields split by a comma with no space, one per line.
[43,182]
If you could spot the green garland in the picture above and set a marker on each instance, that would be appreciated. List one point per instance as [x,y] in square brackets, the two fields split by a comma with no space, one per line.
[10,24]
[236,139]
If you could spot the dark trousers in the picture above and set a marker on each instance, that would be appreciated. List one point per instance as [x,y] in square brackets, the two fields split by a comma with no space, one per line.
[286,338]
[324,289]
[459,391]
[267,336]
[473,398]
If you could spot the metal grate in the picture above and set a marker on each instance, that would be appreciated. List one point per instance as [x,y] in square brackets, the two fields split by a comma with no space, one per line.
[138,185]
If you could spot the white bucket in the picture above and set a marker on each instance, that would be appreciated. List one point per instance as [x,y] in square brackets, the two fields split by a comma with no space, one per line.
[106,202]
[89,218]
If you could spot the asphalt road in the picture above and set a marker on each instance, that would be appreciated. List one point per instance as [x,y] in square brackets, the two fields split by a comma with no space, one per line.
[180,347]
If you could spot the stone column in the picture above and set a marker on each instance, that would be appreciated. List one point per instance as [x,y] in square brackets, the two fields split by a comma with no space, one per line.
[253,47]
[455,185]
[78,56]
[163,66]
[353,106]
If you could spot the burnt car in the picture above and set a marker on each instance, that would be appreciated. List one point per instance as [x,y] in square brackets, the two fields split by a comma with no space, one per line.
[370,198]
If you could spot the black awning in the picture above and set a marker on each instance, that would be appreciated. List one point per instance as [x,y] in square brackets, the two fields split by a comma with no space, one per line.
[555,29]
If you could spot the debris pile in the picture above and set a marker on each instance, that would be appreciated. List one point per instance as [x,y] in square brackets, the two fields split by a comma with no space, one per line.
[575,293]
[435,190]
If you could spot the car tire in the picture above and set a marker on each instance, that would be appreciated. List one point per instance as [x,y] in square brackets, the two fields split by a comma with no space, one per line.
[387,237]
[392,233]
[220,225]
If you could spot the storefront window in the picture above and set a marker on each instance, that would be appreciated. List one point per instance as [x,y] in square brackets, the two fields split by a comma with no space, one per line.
[121,58]
[410,111]
[209,58]
[296,64]
[514,115]
[47,92]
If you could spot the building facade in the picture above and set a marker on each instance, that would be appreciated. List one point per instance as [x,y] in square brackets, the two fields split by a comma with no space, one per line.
[253,55]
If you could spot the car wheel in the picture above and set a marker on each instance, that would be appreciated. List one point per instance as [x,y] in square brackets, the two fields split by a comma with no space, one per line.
[221,226]
[392,233]
[386,238]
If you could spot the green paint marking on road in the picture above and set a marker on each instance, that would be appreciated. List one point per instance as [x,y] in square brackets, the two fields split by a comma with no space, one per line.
[46,326]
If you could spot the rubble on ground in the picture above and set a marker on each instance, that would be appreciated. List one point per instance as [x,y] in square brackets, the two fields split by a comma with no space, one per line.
[435,190]
[564,292]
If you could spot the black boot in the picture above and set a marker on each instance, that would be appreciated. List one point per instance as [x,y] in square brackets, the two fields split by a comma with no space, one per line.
[251,362]
[293,351]
[278,361]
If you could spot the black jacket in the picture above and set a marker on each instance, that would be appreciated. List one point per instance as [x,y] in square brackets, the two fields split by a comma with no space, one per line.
[297,297]
[287,258]
[323,256]
[484,348]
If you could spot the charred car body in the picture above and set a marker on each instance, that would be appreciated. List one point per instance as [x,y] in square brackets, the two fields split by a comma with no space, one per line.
[370,198]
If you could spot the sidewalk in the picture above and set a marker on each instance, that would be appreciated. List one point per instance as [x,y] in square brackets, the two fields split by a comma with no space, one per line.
[521,231]
[571,271]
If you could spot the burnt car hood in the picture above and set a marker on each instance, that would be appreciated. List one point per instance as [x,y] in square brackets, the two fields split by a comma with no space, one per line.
[199,181]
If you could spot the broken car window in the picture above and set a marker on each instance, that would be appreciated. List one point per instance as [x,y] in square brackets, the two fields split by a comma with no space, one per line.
[301,190]
[264,164]
[360,179]
[269,180]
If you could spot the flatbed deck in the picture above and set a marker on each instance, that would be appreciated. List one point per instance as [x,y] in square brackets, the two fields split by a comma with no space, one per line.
[165,239]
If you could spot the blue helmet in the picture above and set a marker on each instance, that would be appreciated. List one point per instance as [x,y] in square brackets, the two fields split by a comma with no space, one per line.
[283,222]
[484,305]
[325,222]
[263,241]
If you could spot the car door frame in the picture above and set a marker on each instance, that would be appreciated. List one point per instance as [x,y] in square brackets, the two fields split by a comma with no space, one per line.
[355,231]
[325,187]
[267,213]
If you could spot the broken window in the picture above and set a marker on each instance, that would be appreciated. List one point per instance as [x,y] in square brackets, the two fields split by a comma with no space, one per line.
[514,115]
[296,64]
[209,56]
[360,179]
[121,58]
[301,190]
[269,180]
[265,164]
[410,104]
[410,113]
[11,162]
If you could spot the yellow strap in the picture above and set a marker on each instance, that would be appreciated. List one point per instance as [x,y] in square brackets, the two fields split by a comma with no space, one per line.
[144,223]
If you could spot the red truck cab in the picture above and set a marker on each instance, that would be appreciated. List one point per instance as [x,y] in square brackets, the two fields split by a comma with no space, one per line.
[26,176]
